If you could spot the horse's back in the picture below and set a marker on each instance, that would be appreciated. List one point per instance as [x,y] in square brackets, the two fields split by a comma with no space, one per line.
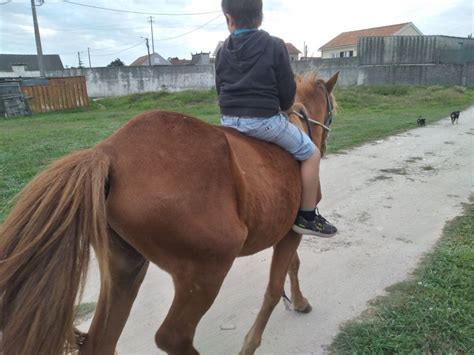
[179,185]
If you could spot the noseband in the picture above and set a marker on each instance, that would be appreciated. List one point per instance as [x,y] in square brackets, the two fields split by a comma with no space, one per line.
[327,120]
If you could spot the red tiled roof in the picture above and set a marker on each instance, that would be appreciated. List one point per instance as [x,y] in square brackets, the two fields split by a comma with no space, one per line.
[351,38]
[292,49]
[140,61]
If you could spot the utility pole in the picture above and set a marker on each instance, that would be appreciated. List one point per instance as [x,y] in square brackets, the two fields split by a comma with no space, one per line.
[79,59]
[39,50]
[152,38]
[148,48]
[89,54]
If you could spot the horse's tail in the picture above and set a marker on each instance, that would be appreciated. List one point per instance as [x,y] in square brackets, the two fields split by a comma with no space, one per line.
[44,253]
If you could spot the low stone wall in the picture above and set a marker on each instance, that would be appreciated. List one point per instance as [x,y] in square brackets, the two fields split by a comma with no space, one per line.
[428,74]
[120,81]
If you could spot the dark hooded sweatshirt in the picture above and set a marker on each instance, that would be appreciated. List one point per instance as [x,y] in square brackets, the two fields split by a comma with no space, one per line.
[253,76]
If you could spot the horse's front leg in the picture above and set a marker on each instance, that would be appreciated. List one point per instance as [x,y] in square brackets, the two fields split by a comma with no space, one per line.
[282,256]
[300,303]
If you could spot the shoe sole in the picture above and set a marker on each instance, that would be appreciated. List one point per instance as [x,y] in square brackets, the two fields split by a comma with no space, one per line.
[300,230]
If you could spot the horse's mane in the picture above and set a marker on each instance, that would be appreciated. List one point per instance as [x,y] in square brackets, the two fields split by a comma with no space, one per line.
[306,85]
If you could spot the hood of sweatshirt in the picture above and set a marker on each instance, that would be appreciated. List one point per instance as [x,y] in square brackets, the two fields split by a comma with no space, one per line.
[243,51]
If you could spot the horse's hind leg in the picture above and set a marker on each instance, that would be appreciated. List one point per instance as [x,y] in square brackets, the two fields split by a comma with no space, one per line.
[300,303]
[127,268]
[282,257]
[196,287]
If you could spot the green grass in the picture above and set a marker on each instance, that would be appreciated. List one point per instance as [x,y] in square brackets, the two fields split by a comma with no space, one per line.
[85,311]
[433,313]
[28,144]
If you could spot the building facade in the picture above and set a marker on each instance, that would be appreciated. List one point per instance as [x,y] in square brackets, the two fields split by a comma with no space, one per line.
[345,44]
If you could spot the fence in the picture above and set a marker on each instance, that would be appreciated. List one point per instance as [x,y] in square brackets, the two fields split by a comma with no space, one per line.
[55,94]
[12,101]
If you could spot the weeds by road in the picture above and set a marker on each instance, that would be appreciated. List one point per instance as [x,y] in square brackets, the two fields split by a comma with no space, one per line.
[433,313]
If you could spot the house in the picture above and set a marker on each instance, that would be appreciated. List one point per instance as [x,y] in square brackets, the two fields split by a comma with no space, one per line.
[201,58]
[345,44]
[177,61]
[292,50]
[26,65]
[155,59]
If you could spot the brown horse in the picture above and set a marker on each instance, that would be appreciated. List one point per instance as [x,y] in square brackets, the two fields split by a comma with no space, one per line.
[166,188]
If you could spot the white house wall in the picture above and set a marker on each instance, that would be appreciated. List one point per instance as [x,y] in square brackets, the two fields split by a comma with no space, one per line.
[408,31]
[326,54]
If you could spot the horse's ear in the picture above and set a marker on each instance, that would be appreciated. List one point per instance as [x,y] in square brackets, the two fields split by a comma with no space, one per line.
[331,83]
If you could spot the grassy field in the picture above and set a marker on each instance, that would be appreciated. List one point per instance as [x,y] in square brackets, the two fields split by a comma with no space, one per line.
[433,313]
[28,144]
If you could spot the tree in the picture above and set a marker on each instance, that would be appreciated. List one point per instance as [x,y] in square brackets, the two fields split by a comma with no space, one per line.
[116,63]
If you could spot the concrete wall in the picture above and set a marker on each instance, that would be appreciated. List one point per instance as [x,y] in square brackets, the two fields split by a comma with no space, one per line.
[412,50]
[432,74]
[20,71]
[397,50]
[119,81]
[468,75]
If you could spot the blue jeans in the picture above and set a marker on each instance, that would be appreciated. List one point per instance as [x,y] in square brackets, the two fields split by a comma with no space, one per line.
[276,129]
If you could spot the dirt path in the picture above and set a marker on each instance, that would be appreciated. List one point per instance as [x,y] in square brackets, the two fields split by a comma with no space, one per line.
[390,200]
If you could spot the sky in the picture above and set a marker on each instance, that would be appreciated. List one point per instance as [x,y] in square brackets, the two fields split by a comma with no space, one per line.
[67,28]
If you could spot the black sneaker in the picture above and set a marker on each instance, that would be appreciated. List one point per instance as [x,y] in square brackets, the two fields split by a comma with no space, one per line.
[319,227]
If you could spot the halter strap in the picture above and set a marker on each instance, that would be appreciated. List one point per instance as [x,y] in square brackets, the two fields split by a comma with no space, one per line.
[328,118]
[307,120]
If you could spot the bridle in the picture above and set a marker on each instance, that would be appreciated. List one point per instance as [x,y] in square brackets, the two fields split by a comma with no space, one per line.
[327,120]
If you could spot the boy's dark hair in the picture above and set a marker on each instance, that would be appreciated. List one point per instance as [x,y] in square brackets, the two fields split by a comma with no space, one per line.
[246,13]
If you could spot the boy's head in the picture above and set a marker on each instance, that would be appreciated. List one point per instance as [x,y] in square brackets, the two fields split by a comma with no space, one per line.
[243,13]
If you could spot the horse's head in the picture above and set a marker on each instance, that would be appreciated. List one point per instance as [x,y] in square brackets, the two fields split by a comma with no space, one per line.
[314,107]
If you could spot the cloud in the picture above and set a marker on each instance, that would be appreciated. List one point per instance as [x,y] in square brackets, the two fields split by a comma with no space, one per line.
[67,29]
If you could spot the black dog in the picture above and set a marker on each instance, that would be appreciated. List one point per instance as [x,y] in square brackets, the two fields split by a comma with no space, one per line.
[454,117]
[421,121]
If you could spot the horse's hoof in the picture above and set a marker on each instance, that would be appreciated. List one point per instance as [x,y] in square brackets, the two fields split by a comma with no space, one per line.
[305,310]
[80,337]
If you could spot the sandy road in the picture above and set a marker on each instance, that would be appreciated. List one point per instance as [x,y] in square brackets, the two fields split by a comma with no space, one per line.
[390,200]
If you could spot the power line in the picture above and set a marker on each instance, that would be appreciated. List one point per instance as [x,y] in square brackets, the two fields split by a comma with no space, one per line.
[160,39]
[193,30]
[139,12]
[113,47]
[121,51]
[110,29]
[5,2]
